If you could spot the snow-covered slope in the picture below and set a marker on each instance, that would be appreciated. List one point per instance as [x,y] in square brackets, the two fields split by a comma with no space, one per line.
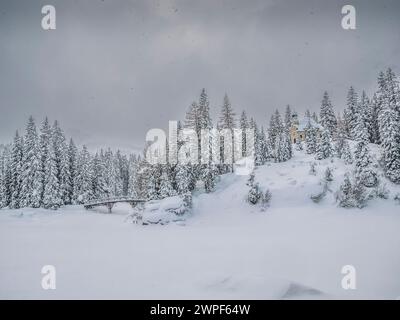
[226,249]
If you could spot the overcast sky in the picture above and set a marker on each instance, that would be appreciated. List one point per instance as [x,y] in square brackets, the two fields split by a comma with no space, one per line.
[114,69]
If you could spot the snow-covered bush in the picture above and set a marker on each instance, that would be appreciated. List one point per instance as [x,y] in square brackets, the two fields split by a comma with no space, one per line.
[254,194]
[319,196]
[266,200]
[250,181]
[381,191]
[299,145]
[397,198]
[171,209]
[352,194]
[312,171]
[328,176]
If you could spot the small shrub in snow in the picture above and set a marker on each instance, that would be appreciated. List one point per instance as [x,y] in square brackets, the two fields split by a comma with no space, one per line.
[250,181]
[266,200]
[328,176]
[299,145]
[319,196]
[397,198]
[381,191]
[352,195]
[254,194]
[312,171]
[344,196]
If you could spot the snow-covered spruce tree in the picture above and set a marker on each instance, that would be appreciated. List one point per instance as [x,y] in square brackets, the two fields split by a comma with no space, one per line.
[365,113]
[364,172]
[311,139]
[327,115]
[61,156]
[374,125]
[288,118]
[209,176]
[314,116]
[283,147]
[45,142]
[182,178]
[83,180]
[254,194]
[5,178]
[346,155]
[351,112]
[133,179]
[52,198]
[72,164]
[227,121]
[276,127]
[262,152]
[244,125]
[166,189]
[324,146]
[344,196]
[31,174]
[16,170]
[390,137]
[389,127]
[100,187]
[340,136]
[118,172]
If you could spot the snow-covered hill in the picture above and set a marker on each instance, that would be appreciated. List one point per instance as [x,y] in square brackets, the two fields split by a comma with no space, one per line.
[226,249]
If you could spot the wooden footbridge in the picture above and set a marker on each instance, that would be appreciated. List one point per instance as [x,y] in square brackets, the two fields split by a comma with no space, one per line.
[109,203]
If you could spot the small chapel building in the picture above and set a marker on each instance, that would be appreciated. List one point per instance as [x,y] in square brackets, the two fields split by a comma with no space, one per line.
[299,128]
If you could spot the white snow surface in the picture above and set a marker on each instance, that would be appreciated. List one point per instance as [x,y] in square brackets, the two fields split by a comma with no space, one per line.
[227,249]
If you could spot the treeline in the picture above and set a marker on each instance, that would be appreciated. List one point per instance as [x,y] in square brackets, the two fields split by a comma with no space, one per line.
[42,169]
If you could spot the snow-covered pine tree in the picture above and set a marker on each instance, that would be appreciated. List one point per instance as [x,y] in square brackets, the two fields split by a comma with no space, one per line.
[315,117]
[344,196]
[165,189]
[275,128]
[254,194]
[311,139]
[227,122]
[133,181]
[374,124]
[31,185]
[364,173]
[365,113]
[324,146]
[16,170]
[45,141]
[117,167]
[340,136]
[288,117]
[244,125]
[299,145]
[83,180]
[182,178]
[346,153]
[5,177]
[389,129]
[327,115]
[72,164]
[52,197]
[351,111]
[100,187]
[61,154]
